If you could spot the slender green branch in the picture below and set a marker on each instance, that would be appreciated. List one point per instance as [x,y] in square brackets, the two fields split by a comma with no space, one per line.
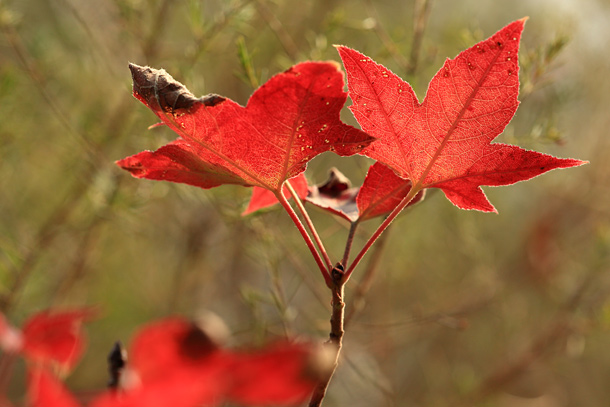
[412,193]
[314,232]
[297,222]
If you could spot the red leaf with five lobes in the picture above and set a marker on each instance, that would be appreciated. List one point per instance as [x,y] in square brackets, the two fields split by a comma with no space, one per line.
[445,142]
[263,198]
[380,193]
[281,374]
[45,390]
[288,121]
[56,336]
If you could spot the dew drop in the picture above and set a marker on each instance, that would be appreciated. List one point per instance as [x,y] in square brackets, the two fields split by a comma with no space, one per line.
[510,72]
[514,38]
[327,103]
[508,58]
[302,148]
[326,141]
[499,44]
[445,74]
[183,125]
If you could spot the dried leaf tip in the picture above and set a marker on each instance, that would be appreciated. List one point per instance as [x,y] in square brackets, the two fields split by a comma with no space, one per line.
[159,90]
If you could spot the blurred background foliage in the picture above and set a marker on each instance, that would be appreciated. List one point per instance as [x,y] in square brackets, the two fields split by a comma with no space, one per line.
[462,308]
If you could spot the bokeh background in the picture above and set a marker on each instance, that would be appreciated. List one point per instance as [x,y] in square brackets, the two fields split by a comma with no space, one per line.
[455,308]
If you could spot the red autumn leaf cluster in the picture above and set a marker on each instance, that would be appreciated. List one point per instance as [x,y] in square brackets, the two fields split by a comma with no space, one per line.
[443,142]
[170,362]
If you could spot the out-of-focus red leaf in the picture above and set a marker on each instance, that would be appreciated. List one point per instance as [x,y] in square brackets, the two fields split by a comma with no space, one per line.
[176,363]
[45,390]
[171,362]
[171,345]
[263,198]
[56,336]
[279,375]
[445,142]
[381,191]
[336,196]
[287,121]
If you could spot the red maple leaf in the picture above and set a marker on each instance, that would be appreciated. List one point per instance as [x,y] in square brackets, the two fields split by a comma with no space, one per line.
[287,121]
[176,362]
[56,336]
[280,374]
[381,191]
[445,142]
[45,390]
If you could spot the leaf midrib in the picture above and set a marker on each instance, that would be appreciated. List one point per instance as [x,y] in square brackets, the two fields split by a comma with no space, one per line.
[439,151]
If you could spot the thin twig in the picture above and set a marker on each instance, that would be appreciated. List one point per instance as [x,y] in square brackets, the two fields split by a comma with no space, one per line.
[44,237]
[385,38]
[367,279]
[309,224]
[38,80]
[349,243]
[312,248]
[278,29]
[541,345]
[412,193]
[150,47]
[205,38]
[420,19]
[336,334]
